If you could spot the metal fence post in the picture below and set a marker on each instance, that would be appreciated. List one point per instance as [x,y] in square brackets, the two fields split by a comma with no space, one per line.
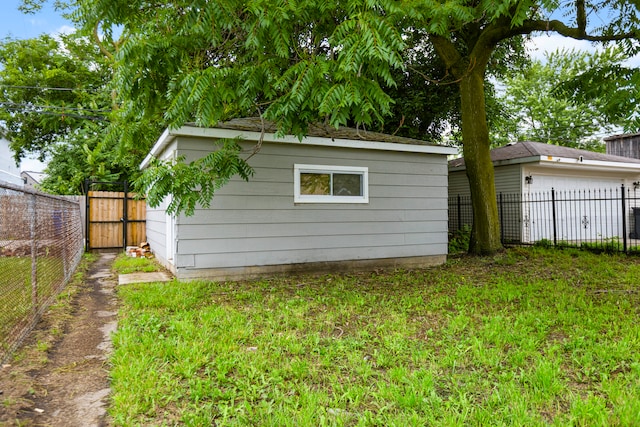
[624,220]
[459,213]
[125,216]
[553,214]
[34,253]
[501,220]
[87,207]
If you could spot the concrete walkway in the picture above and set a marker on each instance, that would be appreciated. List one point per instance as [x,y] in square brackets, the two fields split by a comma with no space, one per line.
[157,276]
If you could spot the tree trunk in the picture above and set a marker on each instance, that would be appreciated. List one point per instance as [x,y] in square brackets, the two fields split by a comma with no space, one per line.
[485,233]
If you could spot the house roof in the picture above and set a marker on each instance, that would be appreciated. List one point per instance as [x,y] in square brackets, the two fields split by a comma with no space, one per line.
[621,136]
[36,176]
[254,129]
[255,124]
[529,151]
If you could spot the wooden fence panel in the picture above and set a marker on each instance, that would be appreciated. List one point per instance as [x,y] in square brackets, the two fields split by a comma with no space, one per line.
[136,227]
[105,220]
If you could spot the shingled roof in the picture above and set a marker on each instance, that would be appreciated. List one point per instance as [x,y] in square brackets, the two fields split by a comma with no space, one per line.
[537,151]
[255,124]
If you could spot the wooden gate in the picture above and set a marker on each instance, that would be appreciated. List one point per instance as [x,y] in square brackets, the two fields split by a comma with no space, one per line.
[115,219]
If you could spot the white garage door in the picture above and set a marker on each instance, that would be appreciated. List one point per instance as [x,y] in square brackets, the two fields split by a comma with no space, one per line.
[586,208]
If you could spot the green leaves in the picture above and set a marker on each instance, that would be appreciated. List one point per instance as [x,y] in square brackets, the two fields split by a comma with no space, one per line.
[184,187]
[45,92]
[569,100]
[204,62]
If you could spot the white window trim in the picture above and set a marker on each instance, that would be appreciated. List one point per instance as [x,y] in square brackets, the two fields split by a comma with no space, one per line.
[306,198]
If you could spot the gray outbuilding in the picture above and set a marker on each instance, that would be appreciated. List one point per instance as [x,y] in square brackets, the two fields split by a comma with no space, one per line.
[337,200]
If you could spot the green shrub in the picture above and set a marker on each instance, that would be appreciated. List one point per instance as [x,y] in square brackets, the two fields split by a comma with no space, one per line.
[459,240]
[543,243]
[608,246]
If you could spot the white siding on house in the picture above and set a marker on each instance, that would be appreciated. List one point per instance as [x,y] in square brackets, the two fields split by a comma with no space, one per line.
[9,172]
[257,223]
[544,179]
[585,219]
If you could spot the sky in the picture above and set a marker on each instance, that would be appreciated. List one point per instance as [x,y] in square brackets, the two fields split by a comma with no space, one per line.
[551,42]
[17,25]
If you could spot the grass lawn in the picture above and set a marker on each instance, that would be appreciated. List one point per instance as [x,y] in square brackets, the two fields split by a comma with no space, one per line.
[530,337]
[15,288]
[124,264]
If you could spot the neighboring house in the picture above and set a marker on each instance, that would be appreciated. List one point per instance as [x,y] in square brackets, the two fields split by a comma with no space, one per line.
[32,179]
[625,145]
[9,172]
[387,206]
[529,169]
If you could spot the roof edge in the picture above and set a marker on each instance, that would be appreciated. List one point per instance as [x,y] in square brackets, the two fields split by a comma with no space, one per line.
[200,132]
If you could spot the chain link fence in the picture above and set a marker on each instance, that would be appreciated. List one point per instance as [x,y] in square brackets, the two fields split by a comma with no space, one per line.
[41,244]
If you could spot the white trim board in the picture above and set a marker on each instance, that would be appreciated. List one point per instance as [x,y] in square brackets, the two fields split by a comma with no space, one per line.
[217,133]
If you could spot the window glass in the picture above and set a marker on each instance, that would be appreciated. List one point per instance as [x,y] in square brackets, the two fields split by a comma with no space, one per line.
[315,183]
[347,184]
[330,184]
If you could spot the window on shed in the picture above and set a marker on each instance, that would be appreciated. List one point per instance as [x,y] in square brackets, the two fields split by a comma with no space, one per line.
[330,184]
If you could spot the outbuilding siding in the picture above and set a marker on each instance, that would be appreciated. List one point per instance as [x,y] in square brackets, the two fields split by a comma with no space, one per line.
[508,179]
[459,183]
[570,172]
[156,223]
[257,223]
[156,229]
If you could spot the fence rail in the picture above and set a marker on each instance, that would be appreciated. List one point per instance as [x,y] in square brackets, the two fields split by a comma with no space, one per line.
[605,219]
[41,245]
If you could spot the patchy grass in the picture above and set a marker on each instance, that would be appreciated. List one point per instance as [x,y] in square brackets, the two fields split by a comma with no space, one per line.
[16,291]
[531,337]
[124,264]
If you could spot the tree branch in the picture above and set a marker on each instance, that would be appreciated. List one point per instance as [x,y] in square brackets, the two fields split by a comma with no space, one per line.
[502,29]
[581,17]
[98,42]
[445,50]
[561,28]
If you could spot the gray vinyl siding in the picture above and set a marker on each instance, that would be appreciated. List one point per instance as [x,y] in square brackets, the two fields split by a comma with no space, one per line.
[459,183]
[257,223]
[156,233]
[156,223]
[509,184]
[509,179]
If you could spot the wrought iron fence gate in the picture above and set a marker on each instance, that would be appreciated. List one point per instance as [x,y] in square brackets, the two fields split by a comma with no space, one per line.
[602,218]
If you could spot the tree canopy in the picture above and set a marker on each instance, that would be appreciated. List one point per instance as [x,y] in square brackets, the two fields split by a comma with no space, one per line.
[540,103]
[48,89]
[299,61]
[56,103]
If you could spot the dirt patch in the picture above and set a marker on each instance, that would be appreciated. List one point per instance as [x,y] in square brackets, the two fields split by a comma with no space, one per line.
[68,384]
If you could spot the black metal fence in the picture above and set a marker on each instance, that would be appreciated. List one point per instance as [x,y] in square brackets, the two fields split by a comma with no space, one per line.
[41,245]
[604,219]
